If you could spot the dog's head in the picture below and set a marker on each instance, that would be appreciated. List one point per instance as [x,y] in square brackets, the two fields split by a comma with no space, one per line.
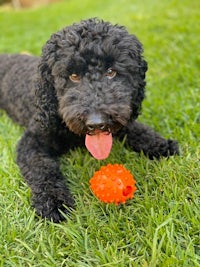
[97,73]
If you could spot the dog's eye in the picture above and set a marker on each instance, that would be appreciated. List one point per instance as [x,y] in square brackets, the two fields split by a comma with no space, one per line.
[111,73]
[75,78]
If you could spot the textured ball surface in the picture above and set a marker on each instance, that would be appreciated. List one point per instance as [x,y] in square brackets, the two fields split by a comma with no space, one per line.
[113,184]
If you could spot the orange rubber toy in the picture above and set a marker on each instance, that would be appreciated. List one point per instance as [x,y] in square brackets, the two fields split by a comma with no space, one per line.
[113,184]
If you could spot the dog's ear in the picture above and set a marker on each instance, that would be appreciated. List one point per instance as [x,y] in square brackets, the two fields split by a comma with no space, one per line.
[46,100]
[143,68]
[139,95]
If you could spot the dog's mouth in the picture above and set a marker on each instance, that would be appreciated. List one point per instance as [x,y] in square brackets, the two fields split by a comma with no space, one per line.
[99,130]
[99,143]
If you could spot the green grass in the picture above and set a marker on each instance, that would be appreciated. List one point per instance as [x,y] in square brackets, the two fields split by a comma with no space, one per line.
[160,227]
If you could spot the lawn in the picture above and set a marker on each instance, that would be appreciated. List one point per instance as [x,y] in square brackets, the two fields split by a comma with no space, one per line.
[160,227]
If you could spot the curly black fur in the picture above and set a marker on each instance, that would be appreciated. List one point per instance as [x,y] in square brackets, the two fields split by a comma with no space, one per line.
[38,94]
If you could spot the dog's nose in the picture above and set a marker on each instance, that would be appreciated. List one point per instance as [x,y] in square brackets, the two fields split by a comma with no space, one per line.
[97,121]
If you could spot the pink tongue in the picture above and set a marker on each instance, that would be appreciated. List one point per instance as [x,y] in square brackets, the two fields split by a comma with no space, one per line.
[99,144]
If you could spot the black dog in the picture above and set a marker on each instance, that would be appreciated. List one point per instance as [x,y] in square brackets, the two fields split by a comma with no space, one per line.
[88,85]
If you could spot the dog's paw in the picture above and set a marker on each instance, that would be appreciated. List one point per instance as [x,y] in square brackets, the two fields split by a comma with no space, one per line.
[173,148]
[51,207]
[166,148]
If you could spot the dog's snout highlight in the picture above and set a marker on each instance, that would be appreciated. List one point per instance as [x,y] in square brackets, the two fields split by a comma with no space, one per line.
[97,121]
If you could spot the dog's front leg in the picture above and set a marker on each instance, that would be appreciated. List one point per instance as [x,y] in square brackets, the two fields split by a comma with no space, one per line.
[40,167]
[142,138]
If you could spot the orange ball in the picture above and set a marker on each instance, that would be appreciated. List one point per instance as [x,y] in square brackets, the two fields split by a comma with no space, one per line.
[113,184]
